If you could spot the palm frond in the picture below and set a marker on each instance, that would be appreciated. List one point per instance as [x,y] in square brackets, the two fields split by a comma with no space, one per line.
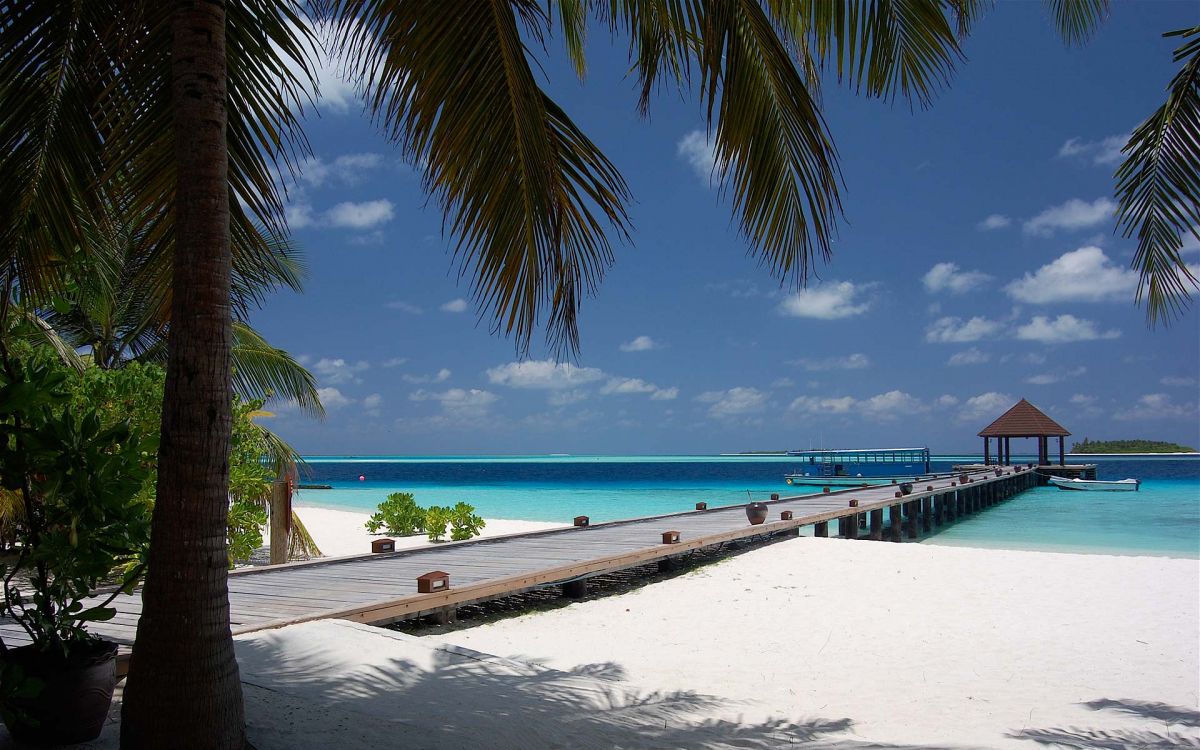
[49,150]
[526,195]
[260,371]
[1158,189]
[884,48]
[1077,20]
[773,150]
[301,545]
[27,324]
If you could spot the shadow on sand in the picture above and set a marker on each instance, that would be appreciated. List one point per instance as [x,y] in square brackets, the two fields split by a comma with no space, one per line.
[1168,738]
[448,697]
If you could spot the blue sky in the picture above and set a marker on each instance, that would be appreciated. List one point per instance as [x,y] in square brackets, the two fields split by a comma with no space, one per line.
[977,265]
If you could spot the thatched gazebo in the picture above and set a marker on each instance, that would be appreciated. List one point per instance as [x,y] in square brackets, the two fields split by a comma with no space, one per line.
[1023,420]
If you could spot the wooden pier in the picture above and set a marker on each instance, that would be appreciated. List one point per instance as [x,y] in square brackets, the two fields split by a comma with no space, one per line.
[382,588]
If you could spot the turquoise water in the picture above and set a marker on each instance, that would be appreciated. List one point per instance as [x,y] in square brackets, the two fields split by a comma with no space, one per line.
[1162,519]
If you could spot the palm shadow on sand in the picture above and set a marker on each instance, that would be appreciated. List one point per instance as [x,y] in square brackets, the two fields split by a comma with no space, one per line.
[457,698]
[1176,721]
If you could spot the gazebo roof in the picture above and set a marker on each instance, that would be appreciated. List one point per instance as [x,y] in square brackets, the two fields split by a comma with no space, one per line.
[1024,420]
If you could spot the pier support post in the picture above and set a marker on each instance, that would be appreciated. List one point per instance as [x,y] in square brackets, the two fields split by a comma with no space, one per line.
[910,525]
[852,526]
[939,509]
[877,524]
[574,589]
[821,529]
[668,564]
[895,519]
[445,616]
[926,514]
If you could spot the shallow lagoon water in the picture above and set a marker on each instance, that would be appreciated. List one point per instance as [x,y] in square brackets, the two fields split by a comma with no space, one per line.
[1162,519]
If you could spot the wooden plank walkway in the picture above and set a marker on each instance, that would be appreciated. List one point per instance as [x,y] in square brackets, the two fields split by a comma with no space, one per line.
[381,588]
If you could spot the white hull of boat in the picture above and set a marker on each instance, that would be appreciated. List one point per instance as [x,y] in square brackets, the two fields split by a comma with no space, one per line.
[1096,485]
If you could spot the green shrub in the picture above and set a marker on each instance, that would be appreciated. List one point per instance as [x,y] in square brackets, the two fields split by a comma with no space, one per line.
[399,515]
[436,518]
[244,530]
[464,524]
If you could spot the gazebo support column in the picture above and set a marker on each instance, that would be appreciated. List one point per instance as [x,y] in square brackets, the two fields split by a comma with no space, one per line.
[1062,453]
[987,456]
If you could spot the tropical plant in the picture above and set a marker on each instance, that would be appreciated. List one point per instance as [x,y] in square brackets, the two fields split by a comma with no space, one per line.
[244,530]
[189,106]
[78,480]
[436,519]
[1158,188]
[464,524]
[398,515]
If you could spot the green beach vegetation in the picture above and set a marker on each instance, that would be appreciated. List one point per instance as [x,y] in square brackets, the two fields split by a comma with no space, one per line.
[1128,446]
[399,515]
[184,114]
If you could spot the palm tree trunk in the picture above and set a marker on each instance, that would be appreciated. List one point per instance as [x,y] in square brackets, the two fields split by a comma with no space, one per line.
[183,689]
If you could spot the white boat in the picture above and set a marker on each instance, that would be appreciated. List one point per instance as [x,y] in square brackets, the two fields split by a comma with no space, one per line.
[1095,485]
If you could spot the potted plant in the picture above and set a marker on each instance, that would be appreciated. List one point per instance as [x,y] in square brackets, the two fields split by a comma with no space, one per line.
[83,526]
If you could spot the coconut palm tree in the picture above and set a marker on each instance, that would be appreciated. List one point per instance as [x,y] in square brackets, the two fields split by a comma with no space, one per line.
[194,106]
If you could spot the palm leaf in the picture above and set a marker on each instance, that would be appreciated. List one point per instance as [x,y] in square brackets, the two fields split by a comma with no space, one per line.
[260,371]
[49,150]
[526,195]
[1077,20]
[1158,189]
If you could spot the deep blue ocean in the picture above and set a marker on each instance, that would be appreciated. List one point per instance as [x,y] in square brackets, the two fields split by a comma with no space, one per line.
[1162,519]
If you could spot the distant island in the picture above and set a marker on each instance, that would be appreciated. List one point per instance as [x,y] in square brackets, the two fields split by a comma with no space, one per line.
[1129,446]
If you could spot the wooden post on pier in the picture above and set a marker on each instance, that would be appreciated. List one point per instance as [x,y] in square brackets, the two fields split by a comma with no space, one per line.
[911,521]
[877,524]
[927,514]
[280,518]
[894,516]
[574,589]
[852,526]
[821,529]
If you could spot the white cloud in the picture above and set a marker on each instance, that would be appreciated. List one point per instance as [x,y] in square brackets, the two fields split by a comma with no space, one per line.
[1158,406]
[640,344]
[455,306]
[945,401]
[783,383]
[697,150]
[566,398]
[881,407]
[1063,329]
[620,386]
[442,376]
[1083,275]
[332,93]
[986,405]
[1105,152]
[403,306]
[543,374]
[1190,244]
[300,216]
[1182,382]
[994,221]
[735,402]
[1047,378]
[372,401]
[949,277]
[458,401]
[1074,214]
[335,371]
[950,330]
[395,361]
[1080,399]
[855,361]
[362,215]
[972,356]
[347,169]
[332,398]
[828,301]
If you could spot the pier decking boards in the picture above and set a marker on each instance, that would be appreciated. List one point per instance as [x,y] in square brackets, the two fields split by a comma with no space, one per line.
[382,588]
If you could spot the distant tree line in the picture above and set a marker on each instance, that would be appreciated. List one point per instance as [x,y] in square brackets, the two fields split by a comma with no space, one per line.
[1129,446]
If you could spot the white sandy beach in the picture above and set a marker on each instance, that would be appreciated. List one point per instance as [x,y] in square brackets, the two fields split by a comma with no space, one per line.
[903,643]
[341,532]
[819,643]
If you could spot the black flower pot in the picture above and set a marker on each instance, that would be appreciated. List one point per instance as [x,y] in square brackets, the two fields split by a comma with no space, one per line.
[756,513]
[76,694]
[906,488]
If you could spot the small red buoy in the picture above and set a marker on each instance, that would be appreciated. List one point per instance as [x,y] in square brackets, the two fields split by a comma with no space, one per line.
[362,478]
